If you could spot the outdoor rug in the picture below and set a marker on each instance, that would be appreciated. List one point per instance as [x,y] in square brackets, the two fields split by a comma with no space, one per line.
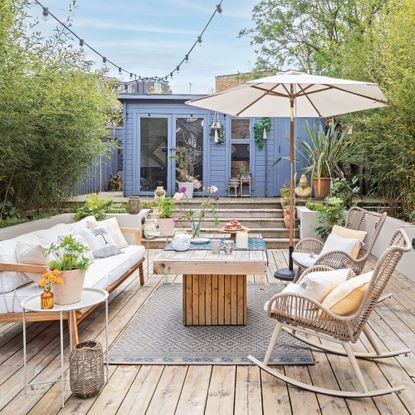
[156,335]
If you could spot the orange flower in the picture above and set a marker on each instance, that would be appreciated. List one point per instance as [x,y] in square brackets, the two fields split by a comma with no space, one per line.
[59,280]
[56,272]
[42,283]
[52,279]
[45,275]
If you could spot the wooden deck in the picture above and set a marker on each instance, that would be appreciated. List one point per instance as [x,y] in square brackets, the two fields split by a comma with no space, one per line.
[193,390]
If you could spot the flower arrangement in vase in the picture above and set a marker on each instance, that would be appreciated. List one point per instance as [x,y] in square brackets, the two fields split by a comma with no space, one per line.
[49,279]
[196,216]
[70,260]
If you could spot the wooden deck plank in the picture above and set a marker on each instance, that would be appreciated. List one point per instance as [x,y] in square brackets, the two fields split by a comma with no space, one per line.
[167,393]
[176,387]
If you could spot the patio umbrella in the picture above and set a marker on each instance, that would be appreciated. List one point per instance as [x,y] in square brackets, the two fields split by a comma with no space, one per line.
[294,94]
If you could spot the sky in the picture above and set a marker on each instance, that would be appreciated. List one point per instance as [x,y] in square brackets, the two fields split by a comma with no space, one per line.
[150,37]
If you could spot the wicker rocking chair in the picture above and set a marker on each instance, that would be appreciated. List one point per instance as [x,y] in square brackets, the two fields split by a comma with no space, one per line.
[298,314]
[357,219]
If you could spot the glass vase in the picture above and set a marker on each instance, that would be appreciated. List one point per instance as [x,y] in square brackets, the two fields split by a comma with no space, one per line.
[46,300]
[195,229]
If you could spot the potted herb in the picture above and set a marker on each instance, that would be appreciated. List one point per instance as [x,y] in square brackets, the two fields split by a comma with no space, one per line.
[325,152]
[165,222]
[70,260]
[187,159]
[94,206]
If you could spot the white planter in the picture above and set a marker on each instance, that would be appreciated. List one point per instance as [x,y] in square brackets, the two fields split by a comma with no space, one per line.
[189,189]
[166,226]
[307,220]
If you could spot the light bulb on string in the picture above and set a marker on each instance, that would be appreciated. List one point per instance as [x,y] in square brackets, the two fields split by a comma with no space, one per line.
[45,13]
[219,8]
[199,39]
[178,68]
[119,70]
[186,58]
[81,42]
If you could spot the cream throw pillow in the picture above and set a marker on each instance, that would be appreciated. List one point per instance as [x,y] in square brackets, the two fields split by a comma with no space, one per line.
[114,230]
[352,234]
[338,243]
[34,254]
[346,298]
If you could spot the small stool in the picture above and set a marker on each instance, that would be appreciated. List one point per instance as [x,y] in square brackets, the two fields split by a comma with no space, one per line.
[246,179]
[233,187]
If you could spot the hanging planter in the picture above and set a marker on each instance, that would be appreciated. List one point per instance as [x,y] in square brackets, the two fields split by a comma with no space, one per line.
[261,130]
[216,130]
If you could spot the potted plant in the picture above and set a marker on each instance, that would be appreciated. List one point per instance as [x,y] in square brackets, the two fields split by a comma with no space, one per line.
[244,172]
[165,222]
[69,260]
[187,159]
[325,152]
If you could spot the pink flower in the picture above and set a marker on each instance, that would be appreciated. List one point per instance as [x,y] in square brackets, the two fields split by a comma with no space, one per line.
[212,189]
[178,196]
[217,198]
[182,189]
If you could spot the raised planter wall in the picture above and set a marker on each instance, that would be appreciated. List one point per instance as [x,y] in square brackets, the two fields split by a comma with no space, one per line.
[124,219]
[406,266]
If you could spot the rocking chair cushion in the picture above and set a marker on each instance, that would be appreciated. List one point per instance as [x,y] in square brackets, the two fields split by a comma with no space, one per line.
[305,259]
[339,243]
[346,298]
[351,233]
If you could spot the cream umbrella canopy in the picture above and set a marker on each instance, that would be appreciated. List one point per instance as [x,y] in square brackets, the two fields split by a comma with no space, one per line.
[294,94]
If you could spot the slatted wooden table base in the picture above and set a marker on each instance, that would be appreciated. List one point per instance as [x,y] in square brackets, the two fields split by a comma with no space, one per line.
[211,300]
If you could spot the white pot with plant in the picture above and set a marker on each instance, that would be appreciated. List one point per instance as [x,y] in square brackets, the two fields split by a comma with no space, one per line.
[165,221]
[69,258]
[187,159]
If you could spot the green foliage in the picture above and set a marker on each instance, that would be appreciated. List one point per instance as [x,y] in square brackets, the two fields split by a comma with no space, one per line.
[9,212]
[345,190]
[368,40]
[259,127]
[68,255]
[327,150]
[331,212]
[54,110]
[94,206]
[167,207]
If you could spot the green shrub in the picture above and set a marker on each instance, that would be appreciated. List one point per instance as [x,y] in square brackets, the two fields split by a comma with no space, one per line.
[166,207]
[332,212]
[94,206]
[345,190]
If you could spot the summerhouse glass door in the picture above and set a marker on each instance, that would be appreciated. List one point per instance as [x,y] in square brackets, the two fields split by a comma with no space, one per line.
[188,143]
[154,153]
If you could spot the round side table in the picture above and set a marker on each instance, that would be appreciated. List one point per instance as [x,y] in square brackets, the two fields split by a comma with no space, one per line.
[90,297]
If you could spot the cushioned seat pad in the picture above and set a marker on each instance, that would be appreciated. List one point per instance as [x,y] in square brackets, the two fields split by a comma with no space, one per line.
[305,259]
[101,274]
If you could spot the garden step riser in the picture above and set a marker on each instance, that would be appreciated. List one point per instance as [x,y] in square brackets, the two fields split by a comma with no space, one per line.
[250,223]
[241,213]
[266,233]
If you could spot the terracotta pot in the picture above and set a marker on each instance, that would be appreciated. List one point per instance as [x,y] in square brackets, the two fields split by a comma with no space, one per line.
[70,291]
[166,226]
[287,217]
[325,185]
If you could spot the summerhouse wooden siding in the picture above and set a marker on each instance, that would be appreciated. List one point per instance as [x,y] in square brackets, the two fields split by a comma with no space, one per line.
[267,178]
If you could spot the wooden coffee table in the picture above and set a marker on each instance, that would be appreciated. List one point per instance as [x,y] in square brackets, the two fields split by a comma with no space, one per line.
[214,286]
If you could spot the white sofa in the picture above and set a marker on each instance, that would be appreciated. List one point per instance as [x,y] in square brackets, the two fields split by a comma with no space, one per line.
[106,273]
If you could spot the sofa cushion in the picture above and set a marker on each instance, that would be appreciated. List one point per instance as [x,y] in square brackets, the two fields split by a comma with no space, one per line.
[101,274]
[50,236]
[85,223]
[352,234]
[338,243]
[12,280]
[30,253]
[100,242]
[114,230]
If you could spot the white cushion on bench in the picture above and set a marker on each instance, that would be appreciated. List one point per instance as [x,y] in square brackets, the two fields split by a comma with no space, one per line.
[101,274]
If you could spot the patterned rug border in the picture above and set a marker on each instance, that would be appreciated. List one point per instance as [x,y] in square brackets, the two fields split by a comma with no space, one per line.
[188,360]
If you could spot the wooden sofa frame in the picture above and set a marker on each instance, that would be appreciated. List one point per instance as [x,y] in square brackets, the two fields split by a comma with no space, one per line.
[73,317]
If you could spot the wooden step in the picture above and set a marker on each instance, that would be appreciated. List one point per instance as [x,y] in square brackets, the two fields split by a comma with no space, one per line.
[248,222]
[239,213]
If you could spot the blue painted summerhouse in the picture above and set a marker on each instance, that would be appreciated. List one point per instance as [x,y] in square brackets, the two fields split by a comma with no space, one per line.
[155,125]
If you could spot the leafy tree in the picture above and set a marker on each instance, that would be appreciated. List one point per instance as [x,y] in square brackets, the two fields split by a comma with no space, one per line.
[53,111]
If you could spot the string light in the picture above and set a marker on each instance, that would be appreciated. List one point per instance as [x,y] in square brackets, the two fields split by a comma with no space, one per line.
[105,60]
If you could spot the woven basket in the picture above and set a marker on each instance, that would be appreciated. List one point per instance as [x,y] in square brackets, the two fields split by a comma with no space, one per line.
[86,367]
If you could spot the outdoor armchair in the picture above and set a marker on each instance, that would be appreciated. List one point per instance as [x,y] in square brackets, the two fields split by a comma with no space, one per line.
[300,314]
[306,252]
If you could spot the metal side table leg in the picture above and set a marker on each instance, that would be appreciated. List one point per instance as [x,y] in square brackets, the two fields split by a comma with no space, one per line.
[62,366]
[106,337]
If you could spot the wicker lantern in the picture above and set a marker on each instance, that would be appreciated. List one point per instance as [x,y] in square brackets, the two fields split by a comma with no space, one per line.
[86,367]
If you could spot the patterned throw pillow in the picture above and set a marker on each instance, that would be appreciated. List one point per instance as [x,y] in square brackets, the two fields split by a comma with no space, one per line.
[100,242]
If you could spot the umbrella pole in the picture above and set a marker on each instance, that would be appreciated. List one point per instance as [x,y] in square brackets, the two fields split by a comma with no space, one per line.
[287,274]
